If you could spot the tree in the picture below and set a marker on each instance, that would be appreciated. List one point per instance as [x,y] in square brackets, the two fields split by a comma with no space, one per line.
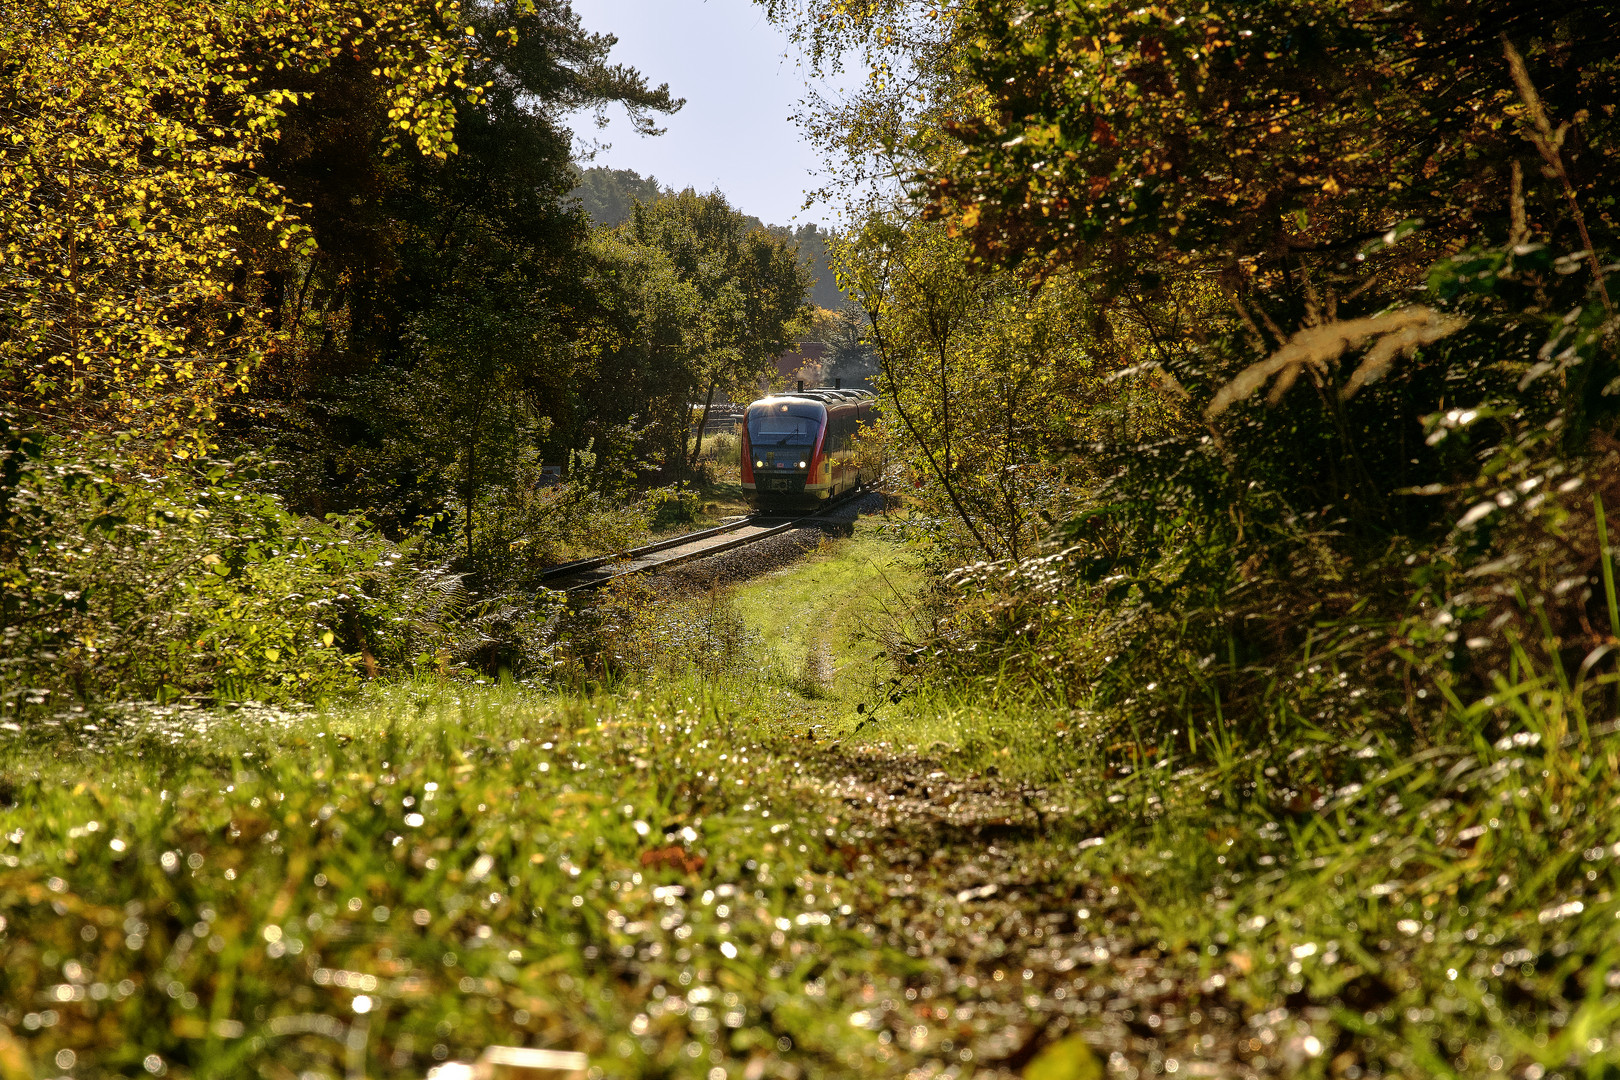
[467,392]
[1269,142]
[844,331]
[133,138]
[610,195]
[992,383]
[889,121]
[1223,178]
[812,244]
[728,299]
[490,226]
[391,233]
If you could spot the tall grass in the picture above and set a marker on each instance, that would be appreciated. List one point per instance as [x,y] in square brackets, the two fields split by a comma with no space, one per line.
[1438,909]
[677,877]
[721,448]
[371,890]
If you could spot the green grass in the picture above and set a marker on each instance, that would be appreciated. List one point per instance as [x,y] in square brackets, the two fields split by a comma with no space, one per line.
[722,500]
[1312,906]
[849,598]
[680,878]
[259,898]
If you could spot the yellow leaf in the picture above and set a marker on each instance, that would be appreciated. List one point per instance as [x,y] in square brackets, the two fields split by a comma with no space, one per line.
[13,1058]
[1066,1059]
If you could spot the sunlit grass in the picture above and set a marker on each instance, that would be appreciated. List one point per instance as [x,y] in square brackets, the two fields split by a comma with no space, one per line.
[737,878]
[414,878]
[848,599]
[1363,904]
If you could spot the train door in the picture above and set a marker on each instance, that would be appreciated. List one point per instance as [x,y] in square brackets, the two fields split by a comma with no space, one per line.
[859,418]
[851,472]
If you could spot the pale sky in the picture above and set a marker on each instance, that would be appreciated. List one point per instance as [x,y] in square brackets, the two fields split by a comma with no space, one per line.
[736,131]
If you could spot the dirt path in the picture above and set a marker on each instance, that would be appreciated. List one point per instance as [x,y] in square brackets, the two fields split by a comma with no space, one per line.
[977,880]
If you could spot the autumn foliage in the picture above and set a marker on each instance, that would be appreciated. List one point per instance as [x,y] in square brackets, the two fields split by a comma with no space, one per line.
[133,196]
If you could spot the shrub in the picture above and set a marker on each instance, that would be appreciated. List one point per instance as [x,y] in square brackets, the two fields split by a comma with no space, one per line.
[670,507]
[628,630]
[1315,559]
[722,448]
[124,581]
[526,528]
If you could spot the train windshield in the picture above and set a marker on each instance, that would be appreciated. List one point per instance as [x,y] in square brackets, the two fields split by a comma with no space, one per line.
[784,425]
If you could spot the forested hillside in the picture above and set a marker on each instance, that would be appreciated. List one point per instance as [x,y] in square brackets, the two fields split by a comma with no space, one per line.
[610,195]
[1221,676]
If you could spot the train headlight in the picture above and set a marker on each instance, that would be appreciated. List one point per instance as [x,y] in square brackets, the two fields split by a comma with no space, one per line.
[801,464]
[759,464]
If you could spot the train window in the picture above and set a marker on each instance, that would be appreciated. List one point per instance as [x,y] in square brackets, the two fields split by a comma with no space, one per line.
[782,426]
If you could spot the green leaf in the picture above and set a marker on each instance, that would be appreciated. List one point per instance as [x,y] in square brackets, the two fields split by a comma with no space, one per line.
[1066,1059]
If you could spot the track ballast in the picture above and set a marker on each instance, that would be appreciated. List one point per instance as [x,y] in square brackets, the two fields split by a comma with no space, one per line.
[598,570]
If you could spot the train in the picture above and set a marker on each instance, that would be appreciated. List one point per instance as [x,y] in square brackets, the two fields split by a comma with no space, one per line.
[798,447]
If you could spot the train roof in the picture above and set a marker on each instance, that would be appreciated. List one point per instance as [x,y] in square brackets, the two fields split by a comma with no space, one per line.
[825,395]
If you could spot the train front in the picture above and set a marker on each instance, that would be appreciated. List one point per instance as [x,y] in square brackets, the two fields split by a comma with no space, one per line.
[781,453]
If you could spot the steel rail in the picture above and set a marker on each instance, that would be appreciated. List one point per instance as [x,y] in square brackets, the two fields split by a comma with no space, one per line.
[598,570]
[580,565]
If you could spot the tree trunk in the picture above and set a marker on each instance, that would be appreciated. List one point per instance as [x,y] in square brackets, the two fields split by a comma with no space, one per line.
[474,429]
[708,403]
[468,500]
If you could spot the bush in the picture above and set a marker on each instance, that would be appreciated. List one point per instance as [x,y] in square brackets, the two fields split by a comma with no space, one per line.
[628,630]
[671,507]
[526,528]
[722,448]
[126,581]
[1320,560]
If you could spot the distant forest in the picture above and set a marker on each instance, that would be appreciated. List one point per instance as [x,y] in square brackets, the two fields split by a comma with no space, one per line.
[609,195]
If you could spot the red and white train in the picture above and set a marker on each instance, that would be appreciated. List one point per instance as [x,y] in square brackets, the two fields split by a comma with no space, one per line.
[798,447]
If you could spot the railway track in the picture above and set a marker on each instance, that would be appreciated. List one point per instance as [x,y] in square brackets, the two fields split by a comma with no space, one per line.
[598,570]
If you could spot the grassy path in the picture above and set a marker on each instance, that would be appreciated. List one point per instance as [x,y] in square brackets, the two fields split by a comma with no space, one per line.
[730,881]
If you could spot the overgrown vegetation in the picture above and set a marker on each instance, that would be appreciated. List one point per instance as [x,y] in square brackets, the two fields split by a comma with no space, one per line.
[374,891]
[1416,496]
[1234,687]
[338,246]
[958,886]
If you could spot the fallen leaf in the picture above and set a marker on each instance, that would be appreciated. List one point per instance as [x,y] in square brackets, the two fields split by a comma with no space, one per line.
[673,856]
[1066,1059]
